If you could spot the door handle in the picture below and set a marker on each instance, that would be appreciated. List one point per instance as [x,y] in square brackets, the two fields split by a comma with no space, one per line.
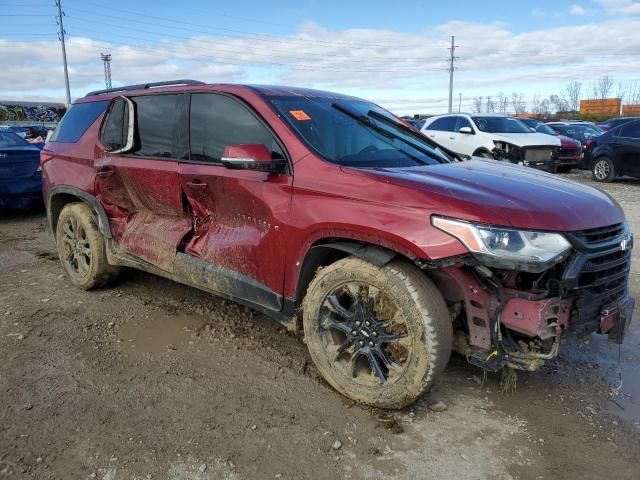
[452,138]
[432,136]
[105,171]
[197,184]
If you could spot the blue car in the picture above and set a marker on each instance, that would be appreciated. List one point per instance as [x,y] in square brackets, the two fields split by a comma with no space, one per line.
[20,175]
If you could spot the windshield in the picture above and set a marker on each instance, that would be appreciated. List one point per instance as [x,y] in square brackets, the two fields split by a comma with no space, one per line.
[579,132]
[354,132]
[10,139]
[500,125]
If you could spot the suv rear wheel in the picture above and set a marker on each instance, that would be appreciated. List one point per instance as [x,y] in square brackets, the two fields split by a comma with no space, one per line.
[380,336]
[81,247]
[603,170]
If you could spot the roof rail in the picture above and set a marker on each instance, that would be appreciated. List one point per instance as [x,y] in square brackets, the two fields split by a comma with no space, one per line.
[142,86]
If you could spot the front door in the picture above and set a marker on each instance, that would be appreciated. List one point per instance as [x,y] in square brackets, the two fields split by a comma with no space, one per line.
[627,148]
[239,216]
[140,189]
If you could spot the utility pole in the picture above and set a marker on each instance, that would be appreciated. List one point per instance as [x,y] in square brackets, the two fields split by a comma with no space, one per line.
[460,102]
[106,59]
[452,59]
[61,34]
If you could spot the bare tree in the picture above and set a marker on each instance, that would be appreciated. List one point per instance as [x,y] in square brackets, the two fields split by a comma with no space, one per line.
[535,103]
[573,91]
[502,103]
[477,104]
[604,86]
[558,103]
[517,102]
[621,91]
[491,106]
[545,107]
[633,92]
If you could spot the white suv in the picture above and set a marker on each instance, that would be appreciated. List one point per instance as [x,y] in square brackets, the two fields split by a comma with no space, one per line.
[491,135]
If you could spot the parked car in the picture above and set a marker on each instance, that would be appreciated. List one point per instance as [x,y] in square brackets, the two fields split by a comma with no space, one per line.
[615,153]
[20,177]
[331,215]
[417,123]
[493,136]
[614,122]
[570,151]
[583,132]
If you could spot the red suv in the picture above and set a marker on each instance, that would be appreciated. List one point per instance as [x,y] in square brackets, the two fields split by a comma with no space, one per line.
[330,214]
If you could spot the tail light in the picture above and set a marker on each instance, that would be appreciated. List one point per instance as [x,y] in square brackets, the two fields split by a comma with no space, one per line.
[45,156]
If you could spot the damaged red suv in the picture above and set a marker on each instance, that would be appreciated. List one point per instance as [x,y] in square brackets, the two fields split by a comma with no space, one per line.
[328,213]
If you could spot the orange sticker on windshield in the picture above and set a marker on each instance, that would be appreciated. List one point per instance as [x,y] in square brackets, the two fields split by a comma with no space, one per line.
[299,114]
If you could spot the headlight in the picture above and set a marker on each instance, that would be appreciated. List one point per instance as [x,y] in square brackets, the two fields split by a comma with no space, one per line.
[505,247]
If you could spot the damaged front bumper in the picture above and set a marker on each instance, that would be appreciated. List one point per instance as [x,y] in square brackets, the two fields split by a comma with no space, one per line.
[513,318]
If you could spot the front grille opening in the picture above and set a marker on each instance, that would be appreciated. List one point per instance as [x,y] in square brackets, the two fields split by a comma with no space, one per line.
[592,278]
[600,234]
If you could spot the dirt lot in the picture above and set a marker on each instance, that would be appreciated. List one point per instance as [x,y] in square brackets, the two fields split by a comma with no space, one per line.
[150,379]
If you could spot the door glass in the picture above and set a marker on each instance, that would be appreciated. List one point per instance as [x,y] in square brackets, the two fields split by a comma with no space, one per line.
[114,130]
[156,126]
[218,121]
[630,130]
[445,124]
[462,122]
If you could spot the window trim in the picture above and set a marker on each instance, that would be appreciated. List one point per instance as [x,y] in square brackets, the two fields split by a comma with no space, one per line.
[288,171]
[181,95]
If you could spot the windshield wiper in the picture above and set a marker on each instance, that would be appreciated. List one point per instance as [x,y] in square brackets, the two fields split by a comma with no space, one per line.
[367,122]
[414,134]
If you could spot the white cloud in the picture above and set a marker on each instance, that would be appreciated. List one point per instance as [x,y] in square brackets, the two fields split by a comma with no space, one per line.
[579,10]
[619,7]
[400,69]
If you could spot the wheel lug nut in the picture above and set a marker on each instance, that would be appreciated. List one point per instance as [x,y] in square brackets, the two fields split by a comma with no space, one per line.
[371,344]
[358,322]
[354,332]
[367,323]
[362,343]
[375,334]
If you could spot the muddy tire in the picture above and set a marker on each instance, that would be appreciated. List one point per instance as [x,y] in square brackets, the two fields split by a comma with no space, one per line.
[380,336]
[81,247]
[603,170]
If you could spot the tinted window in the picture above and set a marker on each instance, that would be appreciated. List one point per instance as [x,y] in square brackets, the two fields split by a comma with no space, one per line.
[218,121]
[116,124]
[77,120]
[445,124]
[500,125]
[10,139]
[629,130]
[353,132]
[157,126]
[463,122]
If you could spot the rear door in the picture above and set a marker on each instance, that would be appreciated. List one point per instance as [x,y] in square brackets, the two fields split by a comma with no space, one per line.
[441,131]
[240,217]
[140,188]
[626,145]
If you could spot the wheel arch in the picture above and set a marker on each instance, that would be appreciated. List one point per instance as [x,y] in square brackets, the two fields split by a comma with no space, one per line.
[480,150]
[326,251]
[62,195]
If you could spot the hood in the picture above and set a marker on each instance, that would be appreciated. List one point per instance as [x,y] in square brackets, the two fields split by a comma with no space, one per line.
[568,142]
[501,193]
[527,139]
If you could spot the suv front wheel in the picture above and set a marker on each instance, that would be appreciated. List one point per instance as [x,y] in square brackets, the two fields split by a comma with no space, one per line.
[81,247]
[603,170]
[380,336]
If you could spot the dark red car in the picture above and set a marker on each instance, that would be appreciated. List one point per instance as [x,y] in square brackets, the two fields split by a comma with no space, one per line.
[329,214]
[570,152]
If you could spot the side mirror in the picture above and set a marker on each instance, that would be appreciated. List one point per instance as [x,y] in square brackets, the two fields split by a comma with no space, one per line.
[466,130]
[254,157]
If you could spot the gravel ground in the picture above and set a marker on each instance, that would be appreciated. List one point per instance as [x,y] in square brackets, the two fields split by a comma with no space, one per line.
[151,379]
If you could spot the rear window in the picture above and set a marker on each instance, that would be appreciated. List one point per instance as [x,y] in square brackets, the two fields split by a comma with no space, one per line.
[77,120]
[9,139]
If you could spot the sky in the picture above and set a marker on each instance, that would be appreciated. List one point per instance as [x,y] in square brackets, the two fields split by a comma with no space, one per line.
[394,53]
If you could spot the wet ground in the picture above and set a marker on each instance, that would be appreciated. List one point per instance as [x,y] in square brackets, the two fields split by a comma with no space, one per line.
[151,379]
